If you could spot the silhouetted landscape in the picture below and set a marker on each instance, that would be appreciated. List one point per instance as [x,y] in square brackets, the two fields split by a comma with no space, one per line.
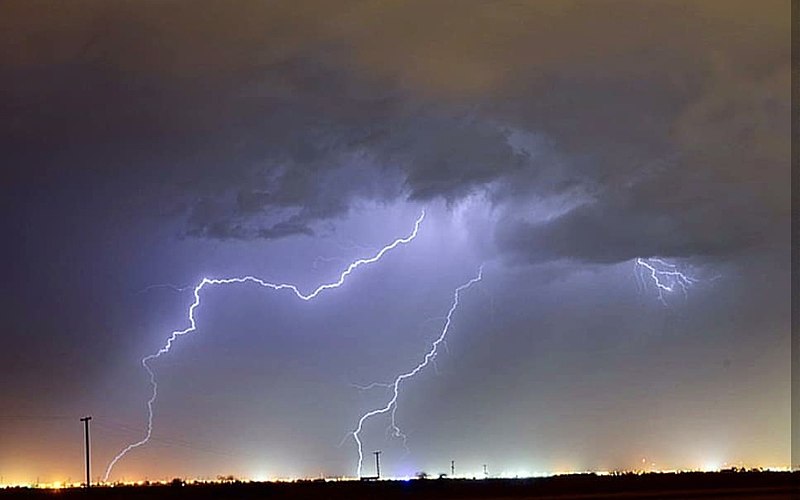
[686,486]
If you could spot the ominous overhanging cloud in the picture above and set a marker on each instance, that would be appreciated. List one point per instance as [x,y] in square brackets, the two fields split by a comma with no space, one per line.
[657,114]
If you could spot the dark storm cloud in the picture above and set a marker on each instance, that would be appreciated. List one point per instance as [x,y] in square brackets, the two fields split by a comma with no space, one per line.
[720,190]
[262,120]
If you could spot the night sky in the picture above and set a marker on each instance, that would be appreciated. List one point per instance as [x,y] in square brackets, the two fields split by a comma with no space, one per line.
[146,145]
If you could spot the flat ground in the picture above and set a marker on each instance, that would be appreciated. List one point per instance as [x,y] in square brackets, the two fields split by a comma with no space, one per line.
[684,486]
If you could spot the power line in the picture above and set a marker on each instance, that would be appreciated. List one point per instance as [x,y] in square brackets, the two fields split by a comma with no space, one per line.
[126,429]
[37,417]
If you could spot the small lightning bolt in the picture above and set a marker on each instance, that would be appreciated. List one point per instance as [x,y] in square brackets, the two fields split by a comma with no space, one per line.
[205,282]
[391,405]
[666,277]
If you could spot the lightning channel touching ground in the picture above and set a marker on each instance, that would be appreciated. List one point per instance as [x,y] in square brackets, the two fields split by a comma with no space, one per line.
[391,406]
[240,280]
[665,277]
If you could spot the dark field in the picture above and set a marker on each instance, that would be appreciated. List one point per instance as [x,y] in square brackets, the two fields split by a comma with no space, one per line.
[686,486]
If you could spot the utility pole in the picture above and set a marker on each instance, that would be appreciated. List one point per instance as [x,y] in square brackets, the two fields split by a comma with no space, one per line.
[377,463]
[485,471]
[452,468]
[85,421]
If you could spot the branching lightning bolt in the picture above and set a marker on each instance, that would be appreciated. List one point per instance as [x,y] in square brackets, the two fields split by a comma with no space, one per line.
[391,406]
[240,280]
[666,277]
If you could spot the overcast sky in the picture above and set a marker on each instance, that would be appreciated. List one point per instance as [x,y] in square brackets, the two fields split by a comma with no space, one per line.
[554,142]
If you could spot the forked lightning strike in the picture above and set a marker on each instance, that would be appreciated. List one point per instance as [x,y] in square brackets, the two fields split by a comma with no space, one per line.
[666,277]
[391,406]
[238,280]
